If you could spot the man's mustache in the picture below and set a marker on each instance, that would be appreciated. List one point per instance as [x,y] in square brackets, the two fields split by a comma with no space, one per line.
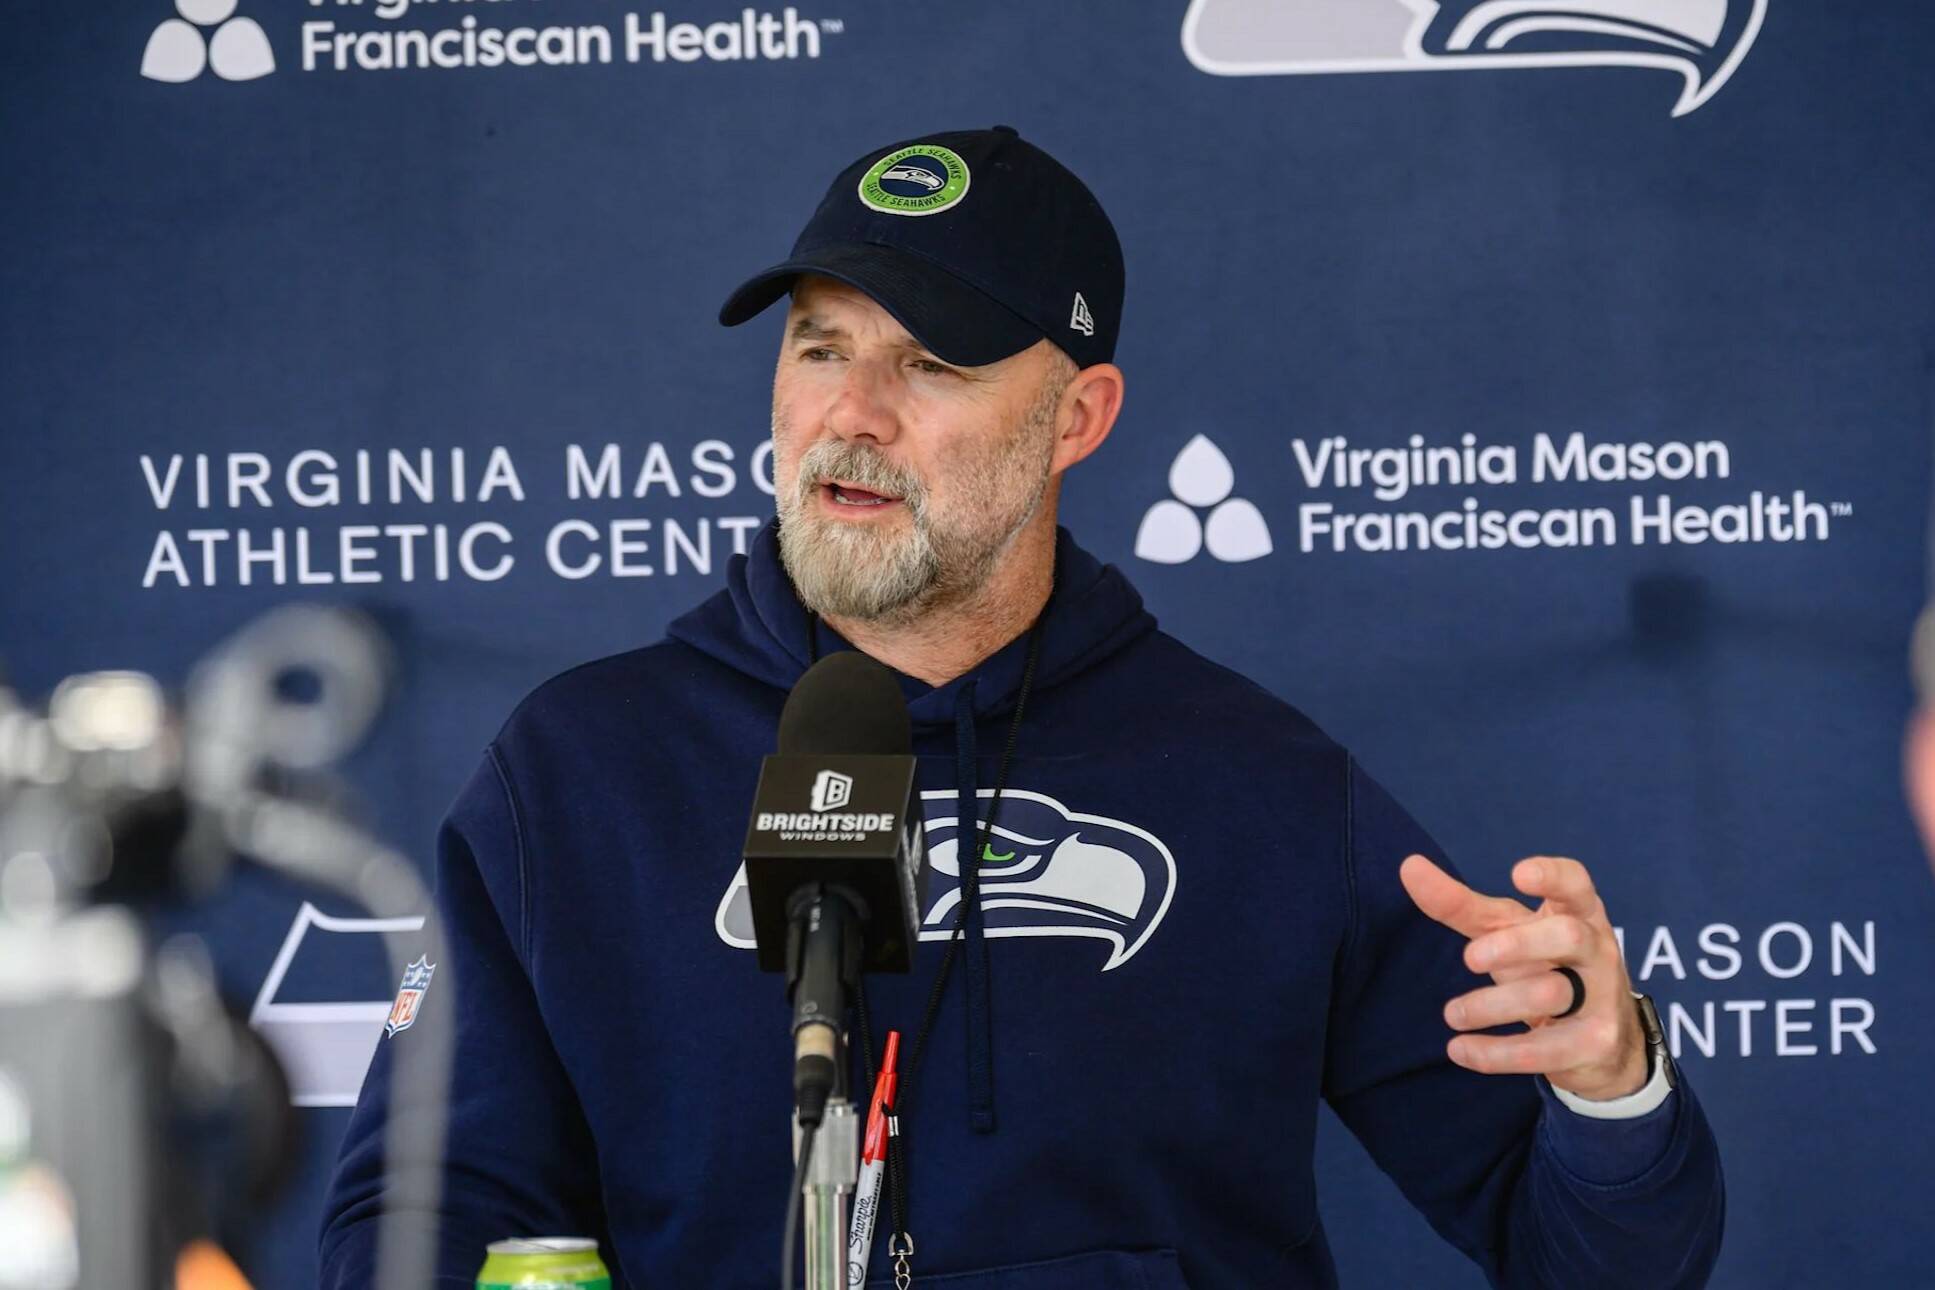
[832,459]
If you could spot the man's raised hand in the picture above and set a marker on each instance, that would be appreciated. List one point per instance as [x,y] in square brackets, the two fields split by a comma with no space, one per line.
[1599,1052]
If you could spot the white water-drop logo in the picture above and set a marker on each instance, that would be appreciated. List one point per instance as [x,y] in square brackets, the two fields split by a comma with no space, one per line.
[1201,478]
[238,51]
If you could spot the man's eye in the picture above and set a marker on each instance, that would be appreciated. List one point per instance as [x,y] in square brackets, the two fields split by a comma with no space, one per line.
[926,365]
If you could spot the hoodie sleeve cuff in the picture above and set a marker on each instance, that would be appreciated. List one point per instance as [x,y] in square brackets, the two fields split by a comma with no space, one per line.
[1613,1141]
[1629,1107]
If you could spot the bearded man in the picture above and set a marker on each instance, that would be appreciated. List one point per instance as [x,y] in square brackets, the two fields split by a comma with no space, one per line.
[1199,912]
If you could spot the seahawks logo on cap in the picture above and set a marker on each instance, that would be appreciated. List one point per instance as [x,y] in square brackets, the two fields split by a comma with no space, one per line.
[918,180]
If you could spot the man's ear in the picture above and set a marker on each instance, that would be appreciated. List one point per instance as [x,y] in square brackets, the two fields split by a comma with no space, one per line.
[1089,407]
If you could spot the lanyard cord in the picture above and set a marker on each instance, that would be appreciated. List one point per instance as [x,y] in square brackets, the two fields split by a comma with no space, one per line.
[896,1141]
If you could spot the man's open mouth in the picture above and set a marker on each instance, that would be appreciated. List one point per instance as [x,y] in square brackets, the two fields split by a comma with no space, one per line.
[851,495]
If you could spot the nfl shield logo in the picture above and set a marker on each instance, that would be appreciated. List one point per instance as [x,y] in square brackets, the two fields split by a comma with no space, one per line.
[416,979]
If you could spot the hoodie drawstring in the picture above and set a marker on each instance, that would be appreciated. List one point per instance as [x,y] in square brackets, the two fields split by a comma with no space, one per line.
[980,1054]
[980,1057]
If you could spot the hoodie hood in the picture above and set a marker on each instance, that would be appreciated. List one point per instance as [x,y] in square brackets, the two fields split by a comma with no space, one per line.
[757,626]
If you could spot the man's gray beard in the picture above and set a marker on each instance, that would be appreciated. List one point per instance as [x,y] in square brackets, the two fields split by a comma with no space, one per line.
[891,574]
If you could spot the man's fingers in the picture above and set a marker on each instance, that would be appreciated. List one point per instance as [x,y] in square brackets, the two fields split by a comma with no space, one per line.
[1559,879]
[1445,899]
[1555,938]
[1557,1047]
[1528,999]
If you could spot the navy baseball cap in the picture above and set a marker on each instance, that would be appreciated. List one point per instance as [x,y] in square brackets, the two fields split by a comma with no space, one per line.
[976,241]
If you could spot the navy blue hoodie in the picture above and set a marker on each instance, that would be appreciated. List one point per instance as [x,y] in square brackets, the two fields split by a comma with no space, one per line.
[1194,928]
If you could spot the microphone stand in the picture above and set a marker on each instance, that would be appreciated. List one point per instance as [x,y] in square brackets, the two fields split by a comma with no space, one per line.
[824,945]
[827,895]
[831,1177]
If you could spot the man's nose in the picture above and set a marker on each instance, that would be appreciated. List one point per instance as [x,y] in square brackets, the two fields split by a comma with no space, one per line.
[866,407]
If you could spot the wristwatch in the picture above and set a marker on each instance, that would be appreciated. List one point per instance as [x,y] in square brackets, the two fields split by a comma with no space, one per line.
[1658,1056]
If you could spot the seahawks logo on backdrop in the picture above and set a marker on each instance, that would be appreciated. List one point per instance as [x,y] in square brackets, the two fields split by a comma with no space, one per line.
[1046,871]
[1702,40]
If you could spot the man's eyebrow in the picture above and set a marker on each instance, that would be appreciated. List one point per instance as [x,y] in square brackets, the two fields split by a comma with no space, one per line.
[813,327]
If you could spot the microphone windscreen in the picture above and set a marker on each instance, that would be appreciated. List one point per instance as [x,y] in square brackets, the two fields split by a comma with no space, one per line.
[846,703]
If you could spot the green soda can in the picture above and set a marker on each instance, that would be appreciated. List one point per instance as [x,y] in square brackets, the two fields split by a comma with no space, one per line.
[544,1263]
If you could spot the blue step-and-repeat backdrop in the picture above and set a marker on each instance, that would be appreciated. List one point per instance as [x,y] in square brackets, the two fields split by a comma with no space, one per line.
[1536,394]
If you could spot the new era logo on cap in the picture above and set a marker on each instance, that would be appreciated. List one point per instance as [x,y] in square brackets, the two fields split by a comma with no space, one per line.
[1081,320]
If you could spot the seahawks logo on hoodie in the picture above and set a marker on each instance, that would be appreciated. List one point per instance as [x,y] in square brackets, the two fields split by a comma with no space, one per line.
[1046,871]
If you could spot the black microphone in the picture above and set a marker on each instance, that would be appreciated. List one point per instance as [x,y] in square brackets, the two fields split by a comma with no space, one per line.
[834,855]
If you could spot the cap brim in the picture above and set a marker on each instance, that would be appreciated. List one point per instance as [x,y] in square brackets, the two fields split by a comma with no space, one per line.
[958,323]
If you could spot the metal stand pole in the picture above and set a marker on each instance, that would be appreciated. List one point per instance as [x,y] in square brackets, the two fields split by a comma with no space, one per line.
[830,1180]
